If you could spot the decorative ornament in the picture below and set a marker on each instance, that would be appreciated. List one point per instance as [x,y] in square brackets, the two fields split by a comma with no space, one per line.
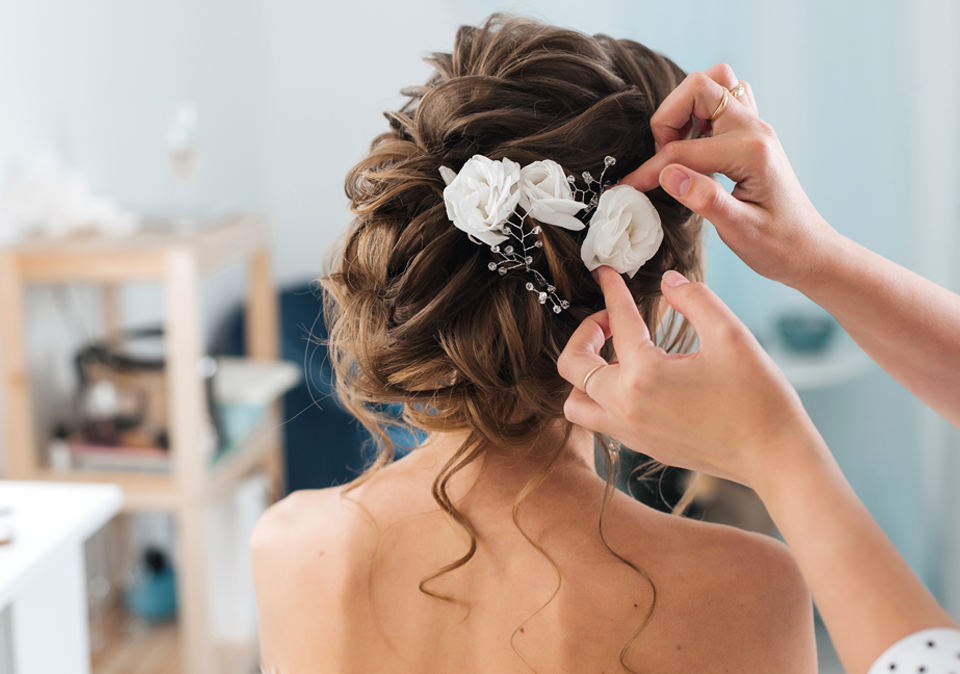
[491,200]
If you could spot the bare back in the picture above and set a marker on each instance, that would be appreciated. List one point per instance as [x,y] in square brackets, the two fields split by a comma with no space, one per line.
[338,582]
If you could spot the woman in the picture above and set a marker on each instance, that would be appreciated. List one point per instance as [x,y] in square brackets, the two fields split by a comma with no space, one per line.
[495,546]
[750,425]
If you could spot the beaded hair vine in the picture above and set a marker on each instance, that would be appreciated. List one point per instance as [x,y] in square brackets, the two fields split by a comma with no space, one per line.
[512,260]
[492,200]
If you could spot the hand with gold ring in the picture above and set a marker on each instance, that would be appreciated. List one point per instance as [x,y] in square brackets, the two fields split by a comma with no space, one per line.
[583,387]
[767,220]
[727,410]
[720,107]
[736,93]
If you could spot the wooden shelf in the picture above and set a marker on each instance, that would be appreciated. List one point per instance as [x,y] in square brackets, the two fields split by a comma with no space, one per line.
[141,491]
[262,442]
[140,256]
[178,263]
[144,491]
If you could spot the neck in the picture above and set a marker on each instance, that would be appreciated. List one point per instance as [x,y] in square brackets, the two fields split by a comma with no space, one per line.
[513,464]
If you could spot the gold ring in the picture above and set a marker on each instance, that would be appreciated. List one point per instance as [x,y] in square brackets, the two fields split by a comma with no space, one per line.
[723,104]
[590,374]
[738,91]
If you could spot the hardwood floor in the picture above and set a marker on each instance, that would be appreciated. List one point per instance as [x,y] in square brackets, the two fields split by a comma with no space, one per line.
[152,650]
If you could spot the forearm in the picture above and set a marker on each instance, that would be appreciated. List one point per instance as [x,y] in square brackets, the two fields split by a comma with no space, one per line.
[867,594]
[910,326]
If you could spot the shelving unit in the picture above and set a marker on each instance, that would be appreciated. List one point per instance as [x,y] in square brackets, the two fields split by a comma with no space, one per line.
[179,263]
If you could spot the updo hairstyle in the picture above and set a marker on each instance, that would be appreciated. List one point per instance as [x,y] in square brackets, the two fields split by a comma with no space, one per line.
[414,314]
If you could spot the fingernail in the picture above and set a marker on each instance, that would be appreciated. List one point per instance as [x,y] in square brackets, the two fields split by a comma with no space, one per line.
[676,181]
[596,274]
[656,147]
[672,279]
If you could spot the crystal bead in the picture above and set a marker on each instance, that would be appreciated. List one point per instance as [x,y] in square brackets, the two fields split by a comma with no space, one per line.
[502,270]
[587,178]
[538,244]
[537,230]
[565,304]
[543,297]
[528,259]
[508,250]
[550,289]
[495,249]
[529,286]
[492,266]
[556,309]
[571,179]
[609,161]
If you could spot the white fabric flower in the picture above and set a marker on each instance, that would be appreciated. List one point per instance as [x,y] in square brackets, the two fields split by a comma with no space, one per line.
[624,231]
[546,195]
[482,197]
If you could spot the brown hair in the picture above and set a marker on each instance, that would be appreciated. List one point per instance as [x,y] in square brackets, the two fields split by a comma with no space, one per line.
[414,314]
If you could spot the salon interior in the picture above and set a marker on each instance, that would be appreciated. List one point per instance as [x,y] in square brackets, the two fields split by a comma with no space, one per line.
[171,177]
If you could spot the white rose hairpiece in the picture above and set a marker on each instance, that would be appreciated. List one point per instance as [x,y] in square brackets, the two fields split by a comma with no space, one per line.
[482,197]
[624,232]
[483,200]
[547,197]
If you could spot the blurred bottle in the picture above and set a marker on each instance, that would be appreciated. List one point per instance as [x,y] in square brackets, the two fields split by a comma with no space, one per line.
[152,592]
[182,151]
[183,156]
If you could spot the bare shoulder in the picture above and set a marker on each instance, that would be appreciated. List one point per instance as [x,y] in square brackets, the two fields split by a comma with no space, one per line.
[742,587]
[754,589]
[304,550]
[313,530]
[309,531]
[775,598]
[293,521]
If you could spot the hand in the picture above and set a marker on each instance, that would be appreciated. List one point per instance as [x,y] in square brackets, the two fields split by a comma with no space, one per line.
[726,409]
[768,221]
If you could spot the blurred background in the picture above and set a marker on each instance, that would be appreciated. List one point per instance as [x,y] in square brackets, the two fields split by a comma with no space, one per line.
[186,110]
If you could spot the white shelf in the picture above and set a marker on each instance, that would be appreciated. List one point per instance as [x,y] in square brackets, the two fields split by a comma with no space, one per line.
[840,363]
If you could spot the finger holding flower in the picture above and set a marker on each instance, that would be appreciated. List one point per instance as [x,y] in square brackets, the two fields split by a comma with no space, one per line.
[623,232]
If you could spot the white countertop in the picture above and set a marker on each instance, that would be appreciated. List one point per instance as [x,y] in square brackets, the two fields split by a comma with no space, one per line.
[47,516]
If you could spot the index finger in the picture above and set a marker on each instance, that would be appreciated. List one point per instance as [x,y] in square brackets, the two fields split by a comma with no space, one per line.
[630,332]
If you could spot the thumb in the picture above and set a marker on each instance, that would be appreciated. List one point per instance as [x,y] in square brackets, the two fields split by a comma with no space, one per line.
[702,195]
[710,317]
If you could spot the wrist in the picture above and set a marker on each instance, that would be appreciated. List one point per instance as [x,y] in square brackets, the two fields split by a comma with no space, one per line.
[823,258]
[795,465]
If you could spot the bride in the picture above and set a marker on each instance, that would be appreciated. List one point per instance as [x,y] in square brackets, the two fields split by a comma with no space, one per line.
[495,546]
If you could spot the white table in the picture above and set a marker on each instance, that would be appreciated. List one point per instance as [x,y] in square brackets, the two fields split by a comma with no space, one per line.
[42,576]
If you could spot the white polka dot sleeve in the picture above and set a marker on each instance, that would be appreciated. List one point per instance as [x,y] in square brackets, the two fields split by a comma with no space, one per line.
[927,652]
